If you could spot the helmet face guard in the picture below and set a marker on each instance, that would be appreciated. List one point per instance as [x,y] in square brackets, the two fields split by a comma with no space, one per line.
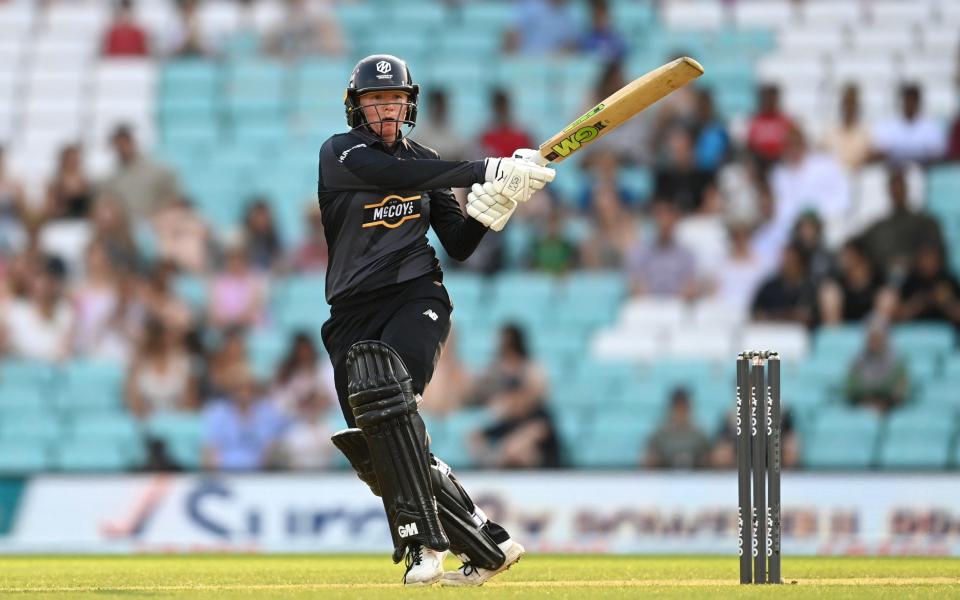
[380,73]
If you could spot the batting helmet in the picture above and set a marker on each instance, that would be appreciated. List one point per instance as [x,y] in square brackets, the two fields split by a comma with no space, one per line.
[379,72]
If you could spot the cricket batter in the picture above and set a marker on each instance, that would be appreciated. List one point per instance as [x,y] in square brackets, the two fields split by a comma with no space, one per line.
[379,191]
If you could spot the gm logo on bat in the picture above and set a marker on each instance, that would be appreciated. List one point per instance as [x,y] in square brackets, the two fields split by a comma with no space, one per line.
[572,142]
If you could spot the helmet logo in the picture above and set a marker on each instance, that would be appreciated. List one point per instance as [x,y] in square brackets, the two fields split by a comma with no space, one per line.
[384,67]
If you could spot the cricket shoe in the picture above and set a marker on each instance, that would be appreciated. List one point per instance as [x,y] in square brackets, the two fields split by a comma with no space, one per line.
[424,566]
[469,575]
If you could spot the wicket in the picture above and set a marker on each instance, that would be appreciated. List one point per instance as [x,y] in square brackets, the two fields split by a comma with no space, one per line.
[758,454]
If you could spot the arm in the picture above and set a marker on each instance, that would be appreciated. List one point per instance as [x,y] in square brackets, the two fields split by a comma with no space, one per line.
[348,164]
[459,234]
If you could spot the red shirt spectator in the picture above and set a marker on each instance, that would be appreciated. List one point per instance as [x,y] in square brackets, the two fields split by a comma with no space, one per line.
[769,127]
[124,37]
[502,137]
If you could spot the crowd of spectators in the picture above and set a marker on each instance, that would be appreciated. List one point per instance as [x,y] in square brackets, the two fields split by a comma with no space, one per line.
[754,218]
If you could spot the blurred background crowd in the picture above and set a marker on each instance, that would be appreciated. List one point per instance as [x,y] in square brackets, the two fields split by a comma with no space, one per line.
[162,256]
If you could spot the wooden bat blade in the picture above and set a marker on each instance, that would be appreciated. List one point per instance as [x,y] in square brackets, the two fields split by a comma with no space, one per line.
[620,106]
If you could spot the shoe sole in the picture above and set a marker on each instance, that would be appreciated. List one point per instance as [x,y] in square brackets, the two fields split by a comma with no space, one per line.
[503,569]
[424,583]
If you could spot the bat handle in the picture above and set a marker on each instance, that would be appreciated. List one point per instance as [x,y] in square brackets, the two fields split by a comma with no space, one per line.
[540,160]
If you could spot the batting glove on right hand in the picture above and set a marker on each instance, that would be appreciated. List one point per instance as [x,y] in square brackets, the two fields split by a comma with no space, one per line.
[517,178]
[492,209]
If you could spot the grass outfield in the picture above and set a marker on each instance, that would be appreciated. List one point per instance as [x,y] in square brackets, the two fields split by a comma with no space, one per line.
[539,576]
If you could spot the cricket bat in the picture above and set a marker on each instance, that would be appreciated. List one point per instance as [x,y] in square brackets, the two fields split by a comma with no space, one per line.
[618,107]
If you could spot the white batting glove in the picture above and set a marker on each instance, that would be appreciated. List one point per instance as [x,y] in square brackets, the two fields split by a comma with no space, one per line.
[492,209]
[517,178]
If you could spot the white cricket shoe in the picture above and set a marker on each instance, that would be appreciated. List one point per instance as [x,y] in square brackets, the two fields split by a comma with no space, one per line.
[468,575]
[424,566]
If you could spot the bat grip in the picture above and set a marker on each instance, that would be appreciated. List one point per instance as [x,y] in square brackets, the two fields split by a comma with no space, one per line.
[540,160]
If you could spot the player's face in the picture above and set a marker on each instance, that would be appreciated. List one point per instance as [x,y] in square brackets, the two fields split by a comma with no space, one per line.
[384,111]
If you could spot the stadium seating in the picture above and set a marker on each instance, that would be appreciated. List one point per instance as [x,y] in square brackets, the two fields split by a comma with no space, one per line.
[241,125]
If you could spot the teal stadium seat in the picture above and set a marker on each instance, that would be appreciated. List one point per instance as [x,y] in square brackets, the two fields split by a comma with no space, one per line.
[917,439]
[26,372]
[842,438]
[453,446]
[615,440]
[194,290]
[942,393]
[267,348]
[31,426]
[24,456]
[116,428]
[87,456]
[255,89]
[927,338]
[181,433]
[91,385]
[190,77]
[840,342]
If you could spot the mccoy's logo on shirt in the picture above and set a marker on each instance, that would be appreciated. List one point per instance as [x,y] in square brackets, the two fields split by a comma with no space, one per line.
[391,212]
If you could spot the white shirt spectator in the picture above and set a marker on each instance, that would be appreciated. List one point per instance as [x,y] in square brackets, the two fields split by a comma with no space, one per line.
[816,182]
[920,139]
[738,279]
[32,336]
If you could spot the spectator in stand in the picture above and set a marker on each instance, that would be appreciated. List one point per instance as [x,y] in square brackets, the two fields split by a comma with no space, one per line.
[303,377]
[124,37]
[238,294]
[788,295]
[711,141]
[739,275]
[70,193]
[808,235]
[184,37]
[502,136]
[602,42]
[604,170]
[229,356]
[262,240]
[141,185]
[450,386]
[161,378]
[663,267]
[305,445]
[953,141]
[856,292]
[910,136]
[704,234]
[930,292]
[740,183]
[183,237]
[552,251]
[241,429]
[515,387]
[312,254]
[678,443]
[542,28]
[38,327]
[679,180]
[892,242]
[878,378]
[13,212]
[105,322]
[809,181]
[308,28]
[769,127]
[849,142]
[18,277]
[436,131]
[613,230]
[111,227]
[161,304]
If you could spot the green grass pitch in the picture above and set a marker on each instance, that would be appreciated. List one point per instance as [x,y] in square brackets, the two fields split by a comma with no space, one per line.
[537,576]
